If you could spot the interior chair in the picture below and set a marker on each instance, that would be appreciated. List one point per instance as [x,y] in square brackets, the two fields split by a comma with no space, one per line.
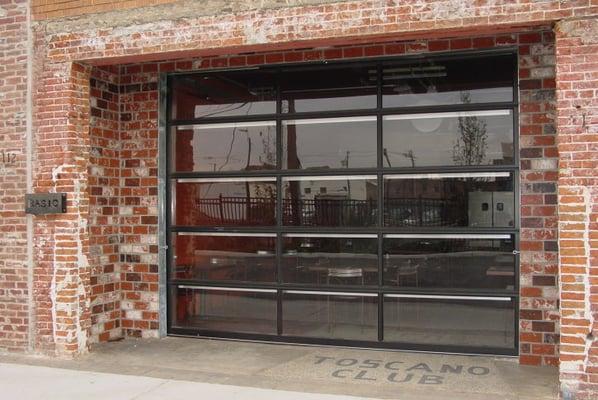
[343,275]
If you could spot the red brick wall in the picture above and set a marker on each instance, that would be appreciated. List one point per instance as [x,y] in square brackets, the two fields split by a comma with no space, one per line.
[14,310]
[139,200]
[43,9]
[577,83]
[293,26]
[539,311]
[123,203]
[104,204]
[61,273]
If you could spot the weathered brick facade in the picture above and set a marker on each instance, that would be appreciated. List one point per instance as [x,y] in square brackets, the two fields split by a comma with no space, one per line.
[95,136]
[104,211]
[577,112]
[14,291]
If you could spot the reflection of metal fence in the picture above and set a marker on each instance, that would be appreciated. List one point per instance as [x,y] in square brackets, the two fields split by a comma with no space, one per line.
[236,211]
[328,212]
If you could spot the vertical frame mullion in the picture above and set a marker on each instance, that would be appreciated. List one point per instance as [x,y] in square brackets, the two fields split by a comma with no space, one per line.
[380,195]
[279,249]
[517,288]
[279,204]
[517,194]
[164,239]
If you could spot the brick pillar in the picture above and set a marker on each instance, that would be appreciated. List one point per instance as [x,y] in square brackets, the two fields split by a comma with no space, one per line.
[577,130]
[539,313]
[61,244]
[14,308]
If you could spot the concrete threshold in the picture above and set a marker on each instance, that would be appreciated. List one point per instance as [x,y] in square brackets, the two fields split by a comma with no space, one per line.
[217,369]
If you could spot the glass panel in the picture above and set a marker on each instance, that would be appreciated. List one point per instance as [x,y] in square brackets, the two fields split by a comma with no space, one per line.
[329,143]
[223,94]
[470,323]
[330,260]
[429,82]
[428,262]
[482,199]
[224,310]
[247,146]
[455,138]
[328,89]
[222,202]
[225,257]
[330,201]
[330,316]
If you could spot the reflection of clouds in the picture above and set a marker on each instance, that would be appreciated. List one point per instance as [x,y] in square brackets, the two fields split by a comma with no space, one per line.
[327,144]
[332,104]
[489,95]
[211,146]
[233,109]
[436,148]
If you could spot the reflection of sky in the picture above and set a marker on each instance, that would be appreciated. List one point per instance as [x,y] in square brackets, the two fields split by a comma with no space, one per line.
[350,144]
[489,95]
[436,147]
[234,109]
[331,104]
[211,148]
[326,145]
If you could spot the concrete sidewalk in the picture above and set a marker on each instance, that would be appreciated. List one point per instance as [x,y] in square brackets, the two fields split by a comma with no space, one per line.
[27,382]
[173,368]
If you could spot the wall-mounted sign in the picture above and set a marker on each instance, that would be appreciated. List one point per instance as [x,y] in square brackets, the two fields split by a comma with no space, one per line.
[45,203]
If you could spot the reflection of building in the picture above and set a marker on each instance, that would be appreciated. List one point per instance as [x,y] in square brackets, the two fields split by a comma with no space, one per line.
[507,151]
[491,209]
[346,188]
[463,201]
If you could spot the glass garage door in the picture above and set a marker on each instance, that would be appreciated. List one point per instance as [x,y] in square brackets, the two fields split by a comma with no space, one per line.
[364,204]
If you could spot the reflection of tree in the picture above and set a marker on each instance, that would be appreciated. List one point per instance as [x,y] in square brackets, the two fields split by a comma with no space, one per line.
[470,148]
[266,191]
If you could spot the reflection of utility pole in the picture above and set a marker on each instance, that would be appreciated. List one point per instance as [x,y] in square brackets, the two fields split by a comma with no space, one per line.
[247,194]
[411,156]
[293,162]
[346,162]
[385,152]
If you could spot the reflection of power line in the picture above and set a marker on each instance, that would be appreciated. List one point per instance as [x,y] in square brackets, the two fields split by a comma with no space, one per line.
[227,108]
[230,148]
[346,164]
[408,154]
[353,154]
[385,152]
